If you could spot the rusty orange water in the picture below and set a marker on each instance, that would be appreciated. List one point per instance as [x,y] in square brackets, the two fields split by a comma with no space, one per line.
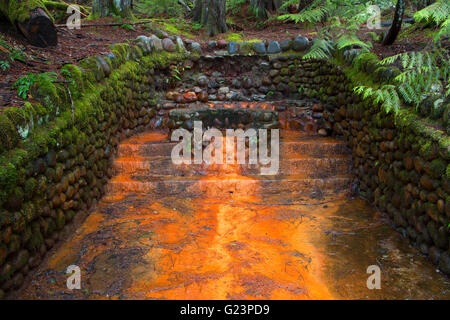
[233,245]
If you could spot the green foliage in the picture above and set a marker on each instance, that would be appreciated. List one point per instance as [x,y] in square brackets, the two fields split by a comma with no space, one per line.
[236,37]
[16,54]
[127,26]
[437,13]
[13,54]
[336,35]
[234,6]
[157,8]
[350,40]
[423,74]
[321,49]
[386,95]
[316,12]
[4,65]
[25,83]
[322,11]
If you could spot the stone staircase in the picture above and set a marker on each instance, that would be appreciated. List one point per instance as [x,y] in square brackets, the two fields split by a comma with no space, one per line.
[309,165]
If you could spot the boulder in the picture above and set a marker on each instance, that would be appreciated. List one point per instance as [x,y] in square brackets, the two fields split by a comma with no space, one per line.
[273,47]
[180,44]
[212,44]
[233,47]
[222,44]
[168,45]
[300,44]
[286,45]
[195,47]
[157,43]
[259,47]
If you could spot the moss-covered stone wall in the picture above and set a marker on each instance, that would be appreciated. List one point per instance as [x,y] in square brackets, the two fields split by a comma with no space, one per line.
[401,161]
[55,153]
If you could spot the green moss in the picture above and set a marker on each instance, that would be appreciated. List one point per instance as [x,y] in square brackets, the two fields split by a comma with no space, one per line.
[246,48]
[91,64]
[437,168]
[30,188]
[9,136]
[53,96]
[19,11]
[236,37]
[9,177]
[121,51]
[28,211]
[175,26]
[73,73]
[136,52]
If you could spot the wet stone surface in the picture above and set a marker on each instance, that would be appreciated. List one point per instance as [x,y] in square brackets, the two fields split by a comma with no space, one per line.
[137,247]
[215,244]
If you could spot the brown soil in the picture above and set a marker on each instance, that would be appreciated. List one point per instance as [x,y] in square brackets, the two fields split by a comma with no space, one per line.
[73,46]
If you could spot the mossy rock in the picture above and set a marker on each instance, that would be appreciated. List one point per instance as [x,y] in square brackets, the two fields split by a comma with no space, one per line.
[121,51]
[75,74]
[9,136]
[436,168]
[91,64]
[246,49]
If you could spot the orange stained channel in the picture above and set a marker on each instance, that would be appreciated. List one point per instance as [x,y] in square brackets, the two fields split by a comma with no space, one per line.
[230,249]
[242,246]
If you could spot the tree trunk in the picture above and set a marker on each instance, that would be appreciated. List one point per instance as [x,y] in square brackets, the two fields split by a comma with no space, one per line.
[304,4]
[263,6]
[32,19]
[106,8]
[211,14]
[197,12]
[396,24]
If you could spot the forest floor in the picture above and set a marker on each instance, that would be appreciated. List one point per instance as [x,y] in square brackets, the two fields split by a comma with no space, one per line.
[75,45]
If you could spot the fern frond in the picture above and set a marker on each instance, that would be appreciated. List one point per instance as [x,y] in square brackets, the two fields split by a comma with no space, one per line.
[352,40]
[437,12]
[316,12]
[321,49]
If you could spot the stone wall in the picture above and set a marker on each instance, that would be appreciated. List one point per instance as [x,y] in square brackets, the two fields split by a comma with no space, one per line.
[401,162]
[56,153]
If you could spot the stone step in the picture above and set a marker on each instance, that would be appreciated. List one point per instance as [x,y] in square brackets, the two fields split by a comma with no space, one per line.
[226,185]
[319,146]
[300,145]
[311,166]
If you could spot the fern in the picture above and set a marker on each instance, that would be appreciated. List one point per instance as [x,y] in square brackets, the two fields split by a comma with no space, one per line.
[437,13]
[349,40]
[316,12]
[423,74]
[321,49]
